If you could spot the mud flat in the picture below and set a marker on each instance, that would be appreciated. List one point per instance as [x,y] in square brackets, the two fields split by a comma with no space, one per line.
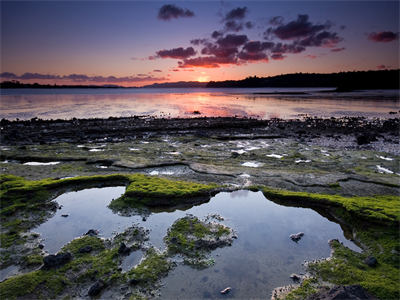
[347,170]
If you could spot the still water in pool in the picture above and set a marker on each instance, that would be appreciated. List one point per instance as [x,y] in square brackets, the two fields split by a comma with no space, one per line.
[261,259]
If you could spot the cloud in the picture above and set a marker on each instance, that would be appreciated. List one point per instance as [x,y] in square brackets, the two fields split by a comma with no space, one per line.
[178,53]
[232,40]
[233,26]
[383,67]
[299,28]
[302,33]
[169,11]
[207,62]
[383,36]
[216,34]
[156,70]
[277,56]
[338,49]
[238,13]
[81,78]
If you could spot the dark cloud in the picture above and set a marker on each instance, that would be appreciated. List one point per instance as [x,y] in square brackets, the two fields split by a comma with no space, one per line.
[383,36]
[238,13]
[8,75]
[253,56]
[382,67]
[277,56]
[216,34]
[156,70]
[218,51]
[197,42]
[80,78]
[169,11]
[233,26]
[322,39]
[299,28]
[207,62]
[257,46]
[338,49]
[232,41]
[302,33]
[178,53]
[287,48]
[249,25]
[278,20]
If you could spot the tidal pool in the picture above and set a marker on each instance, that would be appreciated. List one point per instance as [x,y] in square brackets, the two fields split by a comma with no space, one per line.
[262,258]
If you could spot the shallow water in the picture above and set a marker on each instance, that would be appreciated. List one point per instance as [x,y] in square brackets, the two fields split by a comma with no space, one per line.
[103,103]
[260,259]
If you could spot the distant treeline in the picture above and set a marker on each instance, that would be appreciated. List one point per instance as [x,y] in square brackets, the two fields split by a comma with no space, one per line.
[18,85]
[343,81]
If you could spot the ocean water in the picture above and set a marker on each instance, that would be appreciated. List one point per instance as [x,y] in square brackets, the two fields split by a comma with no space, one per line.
[262,103]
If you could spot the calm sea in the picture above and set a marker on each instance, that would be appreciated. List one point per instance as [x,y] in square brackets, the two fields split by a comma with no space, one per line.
[195,102]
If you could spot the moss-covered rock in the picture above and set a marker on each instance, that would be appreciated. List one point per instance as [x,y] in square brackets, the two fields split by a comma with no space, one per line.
[194,239]
[379,209]
[154,266]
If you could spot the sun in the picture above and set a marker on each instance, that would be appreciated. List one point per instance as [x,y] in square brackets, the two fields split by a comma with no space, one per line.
[202,78]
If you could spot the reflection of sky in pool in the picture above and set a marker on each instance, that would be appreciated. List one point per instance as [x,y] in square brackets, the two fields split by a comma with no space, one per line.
[79,103]
[260,259]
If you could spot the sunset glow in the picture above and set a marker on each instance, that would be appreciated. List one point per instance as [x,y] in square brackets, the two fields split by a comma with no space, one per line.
[139,43]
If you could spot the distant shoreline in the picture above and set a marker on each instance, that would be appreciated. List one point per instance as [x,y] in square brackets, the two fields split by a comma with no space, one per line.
[340,82]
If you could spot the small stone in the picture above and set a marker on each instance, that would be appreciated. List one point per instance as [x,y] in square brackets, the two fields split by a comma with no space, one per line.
[40,246]
[371,261]
[65,215]
[226,290]
[92,232]
[295,277]
[296,237]
[85,249]
[96,288]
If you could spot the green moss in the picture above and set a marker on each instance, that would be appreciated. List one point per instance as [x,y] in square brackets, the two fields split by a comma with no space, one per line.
[186,236]
[152,267]
[33,259]
[73,247]
[29,283]
[347,267]
[306,289]
[380,209]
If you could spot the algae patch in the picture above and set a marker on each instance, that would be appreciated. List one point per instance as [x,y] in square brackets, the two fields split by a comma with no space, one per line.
[194,239]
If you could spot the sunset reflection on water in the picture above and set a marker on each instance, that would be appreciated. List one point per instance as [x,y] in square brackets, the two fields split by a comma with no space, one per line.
[59,104]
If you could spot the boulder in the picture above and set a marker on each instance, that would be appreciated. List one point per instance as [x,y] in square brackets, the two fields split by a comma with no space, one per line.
[123,249]
[371,261]
[54,261]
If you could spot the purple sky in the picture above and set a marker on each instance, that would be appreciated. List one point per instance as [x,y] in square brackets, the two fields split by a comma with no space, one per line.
[137,43]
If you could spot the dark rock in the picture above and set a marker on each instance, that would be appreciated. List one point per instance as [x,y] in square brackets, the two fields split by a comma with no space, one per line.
[365,139]
[371,261]
[296,237]
[340,292]
[123,249]
[40,246]
[92,232]
[96,288]
[66,215]
[85,249]
[134,281]
[54,261]
[295,277]
[235,154]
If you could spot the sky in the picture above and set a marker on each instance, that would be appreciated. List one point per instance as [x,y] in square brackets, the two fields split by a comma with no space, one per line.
[135,43]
